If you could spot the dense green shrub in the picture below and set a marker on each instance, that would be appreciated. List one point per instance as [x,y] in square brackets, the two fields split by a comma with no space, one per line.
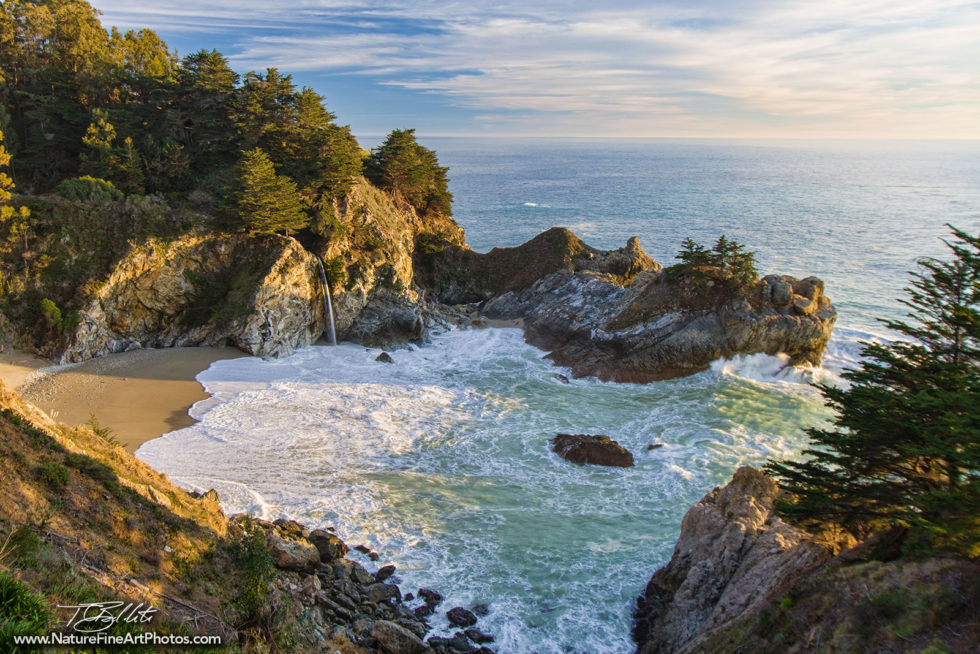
[255,568]
[22,611]
[727,262]
[88,188]
[54,474]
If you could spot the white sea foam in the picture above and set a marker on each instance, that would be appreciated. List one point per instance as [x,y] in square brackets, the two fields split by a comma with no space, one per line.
[441,462]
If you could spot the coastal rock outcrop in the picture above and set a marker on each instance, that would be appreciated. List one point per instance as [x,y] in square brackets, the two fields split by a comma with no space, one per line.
[459,275]
[733,554]
[597,450]
[654,326]
[259,294]
[369,251]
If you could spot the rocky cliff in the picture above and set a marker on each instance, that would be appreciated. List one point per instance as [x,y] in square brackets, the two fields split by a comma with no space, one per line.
[741,579]
[265,295]
[648,325]
[393,274]
[369,248]
[732,555]
[262,295]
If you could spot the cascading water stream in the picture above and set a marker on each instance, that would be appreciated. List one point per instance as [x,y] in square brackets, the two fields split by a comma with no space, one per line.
[328,304]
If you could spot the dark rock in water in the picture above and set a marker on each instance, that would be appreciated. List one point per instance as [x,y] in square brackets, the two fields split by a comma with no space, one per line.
[374,556]
[384,572]
[384,357]
[654,446]
[458,643]
[431,597]
[409,597]
[648,324]
[423,611]
[481,610]
[461,617]
[483,650]
[586,448]
[562,378]
[330,547]
[478,636]
[396,639]
[363,549]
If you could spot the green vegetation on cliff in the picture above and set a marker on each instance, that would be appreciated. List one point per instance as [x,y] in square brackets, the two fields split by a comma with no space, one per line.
[904,450]
[112,139]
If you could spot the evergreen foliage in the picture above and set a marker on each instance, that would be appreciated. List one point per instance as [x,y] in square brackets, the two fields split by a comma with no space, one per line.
[264,202]
[404,167]
[81,100]
[904,448]
[728,261]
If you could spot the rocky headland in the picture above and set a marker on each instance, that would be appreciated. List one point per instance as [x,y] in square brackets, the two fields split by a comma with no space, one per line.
[741,579]
[393,276]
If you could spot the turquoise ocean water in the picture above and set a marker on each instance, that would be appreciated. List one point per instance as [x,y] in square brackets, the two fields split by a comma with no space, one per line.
[441,461]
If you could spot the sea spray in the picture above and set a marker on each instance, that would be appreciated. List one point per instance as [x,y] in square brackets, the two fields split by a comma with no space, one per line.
[441,462]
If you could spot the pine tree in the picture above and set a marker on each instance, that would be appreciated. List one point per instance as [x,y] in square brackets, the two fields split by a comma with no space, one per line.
[904,448]
[404,167]
[264,202]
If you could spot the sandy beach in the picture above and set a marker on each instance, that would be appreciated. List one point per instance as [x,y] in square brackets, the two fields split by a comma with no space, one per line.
[139,395]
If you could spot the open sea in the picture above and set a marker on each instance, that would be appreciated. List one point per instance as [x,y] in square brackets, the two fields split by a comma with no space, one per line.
[441,462]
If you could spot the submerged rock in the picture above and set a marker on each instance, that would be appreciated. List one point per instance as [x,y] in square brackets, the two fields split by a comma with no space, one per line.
[384,357]
[594,449]
[478,636]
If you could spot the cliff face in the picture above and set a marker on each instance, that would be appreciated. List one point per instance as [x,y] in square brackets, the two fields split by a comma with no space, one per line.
[262,295]
[732,555]
[370,258]
[650,326]
[740,579]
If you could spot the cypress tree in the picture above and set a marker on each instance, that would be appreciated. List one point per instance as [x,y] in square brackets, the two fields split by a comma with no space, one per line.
[904,448]
[264,202]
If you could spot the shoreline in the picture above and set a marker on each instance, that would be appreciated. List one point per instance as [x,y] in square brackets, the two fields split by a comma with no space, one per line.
[138,395]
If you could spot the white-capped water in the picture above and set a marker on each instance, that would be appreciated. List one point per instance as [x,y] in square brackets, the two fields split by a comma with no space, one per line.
[441,462]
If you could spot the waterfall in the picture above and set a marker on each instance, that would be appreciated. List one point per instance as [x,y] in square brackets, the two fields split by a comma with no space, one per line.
[327,303]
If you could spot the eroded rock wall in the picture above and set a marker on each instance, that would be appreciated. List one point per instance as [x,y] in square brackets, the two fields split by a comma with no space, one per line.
[733,555]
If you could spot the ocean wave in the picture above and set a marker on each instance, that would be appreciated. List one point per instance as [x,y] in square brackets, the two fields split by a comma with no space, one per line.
[441,461]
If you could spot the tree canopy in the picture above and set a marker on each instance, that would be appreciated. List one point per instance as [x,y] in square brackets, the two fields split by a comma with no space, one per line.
[404,167]
[264,202]
[81,100]
[904,447]
[728,258]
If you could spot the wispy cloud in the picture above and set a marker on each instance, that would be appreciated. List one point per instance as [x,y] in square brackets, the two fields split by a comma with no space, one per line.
[760,67]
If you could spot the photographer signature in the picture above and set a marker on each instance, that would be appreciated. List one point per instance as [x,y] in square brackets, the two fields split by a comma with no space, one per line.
[98,616]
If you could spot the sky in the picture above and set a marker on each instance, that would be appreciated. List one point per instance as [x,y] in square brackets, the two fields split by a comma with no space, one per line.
[614,68]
